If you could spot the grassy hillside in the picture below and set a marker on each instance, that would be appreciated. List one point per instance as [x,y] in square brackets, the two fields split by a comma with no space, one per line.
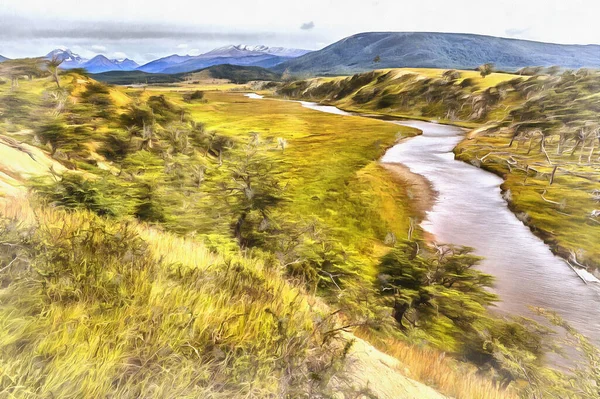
[534,126]
[160,315]
[461,97]
[133,312]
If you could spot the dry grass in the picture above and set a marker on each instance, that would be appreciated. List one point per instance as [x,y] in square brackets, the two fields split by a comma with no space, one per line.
[433,368]
[94,308]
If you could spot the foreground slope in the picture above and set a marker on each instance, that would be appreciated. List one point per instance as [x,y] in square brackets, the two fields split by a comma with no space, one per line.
[358,53]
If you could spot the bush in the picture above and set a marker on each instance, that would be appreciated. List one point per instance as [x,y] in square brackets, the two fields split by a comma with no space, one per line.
[97,94]
[60,135]
[137,116]
[195,95]
[74,191]
[440,292]
[164,110]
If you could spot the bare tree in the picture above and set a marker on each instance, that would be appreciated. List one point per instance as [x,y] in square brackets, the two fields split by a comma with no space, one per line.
[53,66]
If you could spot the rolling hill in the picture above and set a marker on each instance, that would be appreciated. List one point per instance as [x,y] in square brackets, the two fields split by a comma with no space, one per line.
[234,73]
[358,53]
[264,61]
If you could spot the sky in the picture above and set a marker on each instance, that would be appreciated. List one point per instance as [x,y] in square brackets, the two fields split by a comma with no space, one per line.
[146,30]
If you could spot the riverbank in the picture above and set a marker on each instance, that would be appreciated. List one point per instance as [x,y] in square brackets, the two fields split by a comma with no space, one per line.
[562,207]
[555,202]
[419,189]
[473,212]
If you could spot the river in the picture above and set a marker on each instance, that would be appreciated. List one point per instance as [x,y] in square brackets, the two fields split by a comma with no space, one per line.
[469,210]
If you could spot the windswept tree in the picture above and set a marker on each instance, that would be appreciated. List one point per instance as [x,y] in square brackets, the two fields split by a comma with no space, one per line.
[68,139]
[255,191]
[53,67]
[435,289]
[485,69]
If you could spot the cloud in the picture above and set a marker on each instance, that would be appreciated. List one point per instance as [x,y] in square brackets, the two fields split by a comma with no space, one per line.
[98,49]
[22,29]
[514,32]
[307,25]
[183,45]
[119,55]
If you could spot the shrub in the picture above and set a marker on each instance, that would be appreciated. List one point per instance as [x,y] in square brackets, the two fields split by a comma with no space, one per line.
[195,95]
[74,191]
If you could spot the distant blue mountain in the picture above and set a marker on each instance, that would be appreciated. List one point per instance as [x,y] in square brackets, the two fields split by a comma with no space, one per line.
[69,59]
[242,55]
[161,64]
[264,60]
[100,64]
[97,64]
[358,53]
[3,58]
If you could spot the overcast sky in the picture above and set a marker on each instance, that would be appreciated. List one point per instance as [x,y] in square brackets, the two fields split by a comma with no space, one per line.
[145,30]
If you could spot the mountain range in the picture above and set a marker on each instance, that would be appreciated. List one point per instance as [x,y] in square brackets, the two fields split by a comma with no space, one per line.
[243,55]
[363,52]
[3,58]
[97,64]
[377,50]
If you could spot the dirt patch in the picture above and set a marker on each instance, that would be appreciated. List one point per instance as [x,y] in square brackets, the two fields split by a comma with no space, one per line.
[376,374]
[419,189]
[19,162]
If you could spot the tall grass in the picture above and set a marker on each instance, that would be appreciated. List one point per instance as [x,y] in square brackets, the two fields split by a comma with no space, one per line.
[93,308]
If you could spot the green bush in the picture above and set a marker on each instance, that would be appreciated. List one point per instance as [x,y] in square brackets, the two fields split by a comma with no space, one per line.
[101,195]
[193,96]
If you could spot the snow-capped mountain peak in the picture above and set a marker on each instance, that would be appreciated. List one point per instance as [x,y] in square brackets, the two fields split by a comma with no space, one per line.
[245,49]
[66,56]
[99,63]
